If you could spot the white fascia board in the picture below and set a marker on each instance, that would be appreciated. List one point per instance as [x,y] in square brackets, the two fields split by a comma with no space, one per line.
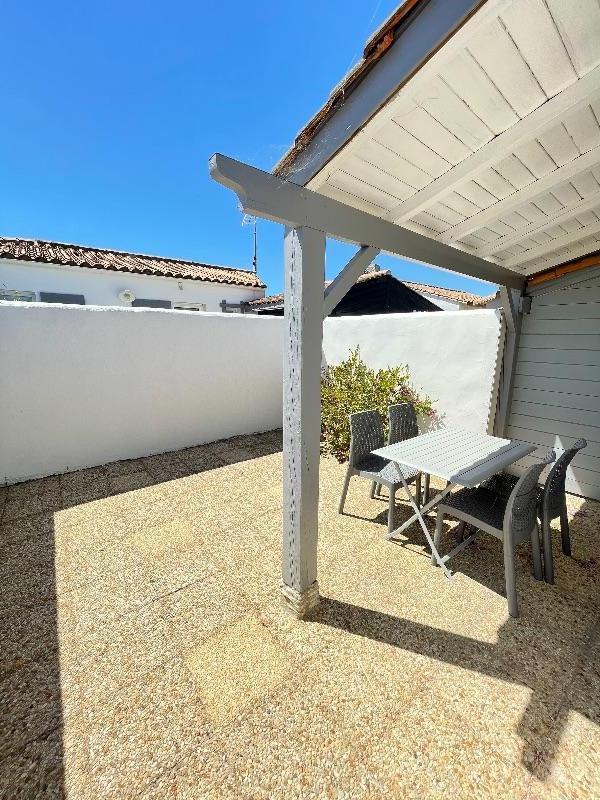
[425,33]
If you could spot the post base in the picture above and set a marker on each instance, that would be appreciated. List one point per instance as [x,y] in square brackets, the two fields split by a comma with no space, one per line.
[300,604]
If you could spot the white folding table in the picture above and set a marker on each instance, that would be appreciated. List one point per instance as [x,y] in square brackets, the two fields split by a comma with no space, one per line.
[458,456]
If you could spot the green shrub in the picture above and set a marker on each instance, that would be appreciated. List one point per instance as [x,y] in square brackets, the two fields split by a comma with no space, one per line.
[353,386]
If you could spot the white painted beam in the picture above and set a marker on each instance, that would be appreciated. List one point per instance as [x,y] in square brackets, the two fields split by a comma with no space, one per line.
[525,195]
[346,278]
[554,244]
[561,254]
[577,95]
[304,277]
[494,395]
[586,204]
[264,195]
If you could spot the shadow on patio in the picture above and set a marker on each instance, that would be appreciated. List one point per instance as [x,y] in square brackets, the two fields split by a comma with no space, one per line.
[145,653]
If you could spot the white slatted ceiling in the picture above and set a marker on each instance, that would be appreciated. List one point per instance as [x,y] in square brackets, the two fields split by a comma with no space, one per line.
[533,50]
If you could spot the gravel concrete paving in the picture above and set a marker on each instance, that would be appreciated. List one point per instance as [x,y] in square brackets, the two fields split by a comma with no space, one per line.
[146,654]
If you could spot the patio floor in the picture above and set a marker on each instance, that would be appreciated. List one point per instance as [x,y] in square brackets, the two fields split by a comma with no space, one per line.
[145,652]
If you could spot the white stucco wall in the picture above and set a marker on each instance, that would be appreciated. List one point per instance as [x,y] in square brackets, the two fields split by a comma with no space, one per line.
[451,355]
[86,385]
[102,287]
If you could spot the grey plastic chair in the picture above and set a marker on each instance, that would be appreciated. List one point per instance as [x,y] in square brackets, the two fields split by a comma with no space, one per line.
[512,520]
[552,503]
[403,425]
[366,434]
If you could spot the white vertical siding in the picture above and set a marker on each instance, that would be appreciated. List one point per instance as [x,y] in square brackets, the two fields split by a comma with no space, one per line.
[556,396]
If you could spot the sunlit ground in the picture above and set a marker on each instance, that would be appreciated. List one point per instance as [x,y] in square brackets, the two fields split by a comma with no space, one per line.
[145,652]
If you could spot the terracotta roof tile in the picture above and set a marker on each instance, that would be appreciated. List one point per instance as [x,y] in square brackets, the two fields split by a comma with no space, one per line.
[450,294]
[269,300]
[98,258]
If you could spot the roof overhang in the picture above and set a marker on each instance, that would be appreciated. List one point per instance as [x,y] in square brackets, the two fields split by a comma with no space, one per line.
[391,56]
[475,126]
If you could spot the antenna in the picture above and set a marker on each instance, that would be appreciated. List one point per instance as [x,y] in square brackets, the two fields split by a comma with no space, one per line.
[255,257]
[247,219]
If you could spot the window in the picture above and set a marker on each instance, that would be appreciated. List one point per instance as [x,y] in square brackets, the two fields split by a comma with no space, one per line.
[15,294]
[190,306]
[61,297]
[151,303]
[233,308]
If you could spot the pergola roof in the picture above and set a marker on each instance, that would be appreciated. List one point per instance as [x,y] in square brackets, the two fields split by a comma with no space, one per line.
[490,144]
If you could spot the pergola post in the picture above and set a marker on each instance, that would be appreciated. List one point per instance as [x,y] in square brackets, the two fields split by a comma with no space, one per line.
[512,320]
[304,279]
[308,218]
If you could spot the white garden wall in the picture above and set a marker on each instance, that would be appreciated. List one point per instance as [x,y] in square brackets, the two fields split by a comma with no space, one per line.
[85,385]
[451,355]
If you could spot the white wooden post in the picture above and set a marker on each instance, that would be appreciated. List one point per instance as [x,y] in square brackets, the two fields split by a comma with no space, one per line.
[345,280]
[495,393]
[512,319]
[304,279]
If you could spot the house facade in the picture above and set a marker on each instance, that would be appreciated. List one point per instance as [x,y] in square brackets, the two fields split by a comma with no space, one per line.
[53,272]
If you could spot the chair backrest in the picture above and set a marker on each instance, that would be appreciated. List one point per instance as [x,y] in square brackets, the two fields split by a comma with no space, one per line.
[521,511]
[554,489]
[403,423]
[366,434]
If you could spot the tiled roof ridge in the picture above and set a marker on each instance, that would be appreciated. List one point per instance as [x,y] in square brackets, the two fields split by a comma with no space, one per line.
[450,294]
[53,252]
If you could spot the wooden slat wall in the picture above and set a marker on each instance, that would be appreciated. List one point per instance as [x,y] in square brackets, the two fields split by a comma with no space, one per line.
[556,397]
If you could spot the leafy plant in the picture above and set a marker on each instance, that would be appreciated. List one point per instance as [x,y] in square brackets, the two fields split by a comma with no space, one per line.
[353,386]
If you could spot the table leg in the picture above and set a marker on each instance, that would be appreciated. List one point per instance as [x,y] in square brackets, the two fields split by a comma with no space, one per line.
[419,515]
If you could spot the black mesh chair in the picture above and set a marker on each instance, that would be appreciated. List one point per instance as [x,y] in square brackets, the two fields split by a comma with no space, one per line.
[366,435]
[403,425]
[511,519]
[552,503]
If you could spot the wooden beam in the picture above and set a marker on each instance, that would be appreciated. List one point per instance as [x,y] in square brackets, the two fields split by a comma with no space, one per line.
[588,245]
[586,204]
[577,95]
[512,320]
[304,277]
[493,409]
[553,245]
[558,272]
[346,279]
[525,195]
[264,195]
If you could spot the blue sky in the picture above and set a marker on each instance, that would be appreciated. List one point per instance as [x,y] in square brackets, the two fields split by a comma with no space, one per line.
[112,110]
